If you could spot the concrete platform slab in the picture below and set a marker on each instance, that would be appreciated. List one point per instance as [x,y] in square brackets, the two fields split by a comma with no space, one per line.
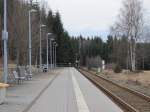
[72,92]
[96,100]
[19,97]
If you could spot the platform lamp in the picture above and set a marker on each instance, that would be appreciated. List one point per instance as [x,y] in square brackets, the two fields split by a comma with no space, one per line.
[30,44]
[51,39]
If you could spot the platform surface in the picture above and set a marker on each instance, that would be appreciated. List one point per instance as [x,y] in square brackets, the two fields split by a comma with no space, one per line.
[72,92]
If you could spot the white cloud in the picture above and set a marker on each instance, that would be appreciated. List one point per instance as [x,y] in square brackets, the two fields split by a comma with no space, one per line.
[88,16]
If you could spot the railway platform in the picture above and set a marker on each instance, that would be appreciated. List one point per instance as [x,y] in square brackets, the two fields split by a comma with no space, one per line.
[72,92]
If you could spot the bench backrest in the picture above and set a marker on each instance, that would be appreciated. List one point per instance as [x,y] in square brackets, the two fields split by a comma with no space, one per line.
[15,74]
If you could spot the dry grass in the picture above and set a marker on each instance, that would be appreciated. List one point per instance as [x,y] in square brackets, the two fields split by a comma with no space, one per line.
[129,77]
[137,81]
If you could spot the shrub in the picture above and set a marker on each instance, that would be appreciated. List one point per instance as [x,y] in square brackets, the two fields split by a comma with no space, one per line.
[117,68]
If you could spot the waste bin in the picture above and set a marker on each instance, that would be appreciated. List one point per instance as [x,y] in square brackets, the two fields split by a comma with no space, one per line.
[45,70]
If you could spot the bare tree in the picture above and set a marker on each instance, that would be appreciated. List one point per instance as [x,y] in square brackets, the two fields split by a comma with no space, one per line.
[130,24]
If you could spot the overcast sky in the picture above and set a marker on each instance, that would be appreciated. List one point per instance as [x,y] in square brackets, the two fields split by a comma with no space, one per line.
[88,17]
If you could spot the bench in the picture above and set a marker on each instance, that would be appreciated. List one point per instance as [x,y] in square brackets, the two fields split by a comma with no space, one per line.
[3,92]
[18,78]
[24,73]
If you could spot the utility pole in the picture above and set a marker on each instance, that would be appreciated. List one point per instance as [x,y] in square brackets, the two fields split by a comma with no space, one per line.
[5,39]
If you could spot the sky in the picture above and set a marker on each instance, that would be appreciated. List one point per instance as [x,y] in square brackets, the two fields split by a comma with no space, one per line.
[89,17]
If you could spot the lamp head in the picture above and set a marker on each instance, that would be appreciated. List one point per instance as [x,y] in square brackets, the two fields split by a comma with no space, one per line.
[43,25]
[52,39]
[48,34]
[32,11]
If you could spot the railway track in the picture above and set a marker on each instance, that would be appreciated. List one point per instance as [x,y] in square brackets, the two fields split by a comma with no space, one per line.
[127,99]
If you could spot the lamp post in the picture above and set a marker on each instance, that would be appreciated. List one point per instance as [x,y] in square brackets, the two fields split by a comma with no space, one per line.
[55,47]
[5,39]
[51,53]
[51,39]
[41,26]
[30,46]
[56,54]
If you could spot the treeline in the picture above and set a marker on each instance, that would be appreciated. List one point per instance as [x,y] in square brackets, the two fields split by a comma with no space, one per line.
[18,33]
[89,48]
[116,49]
[120,55]
[69,48]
